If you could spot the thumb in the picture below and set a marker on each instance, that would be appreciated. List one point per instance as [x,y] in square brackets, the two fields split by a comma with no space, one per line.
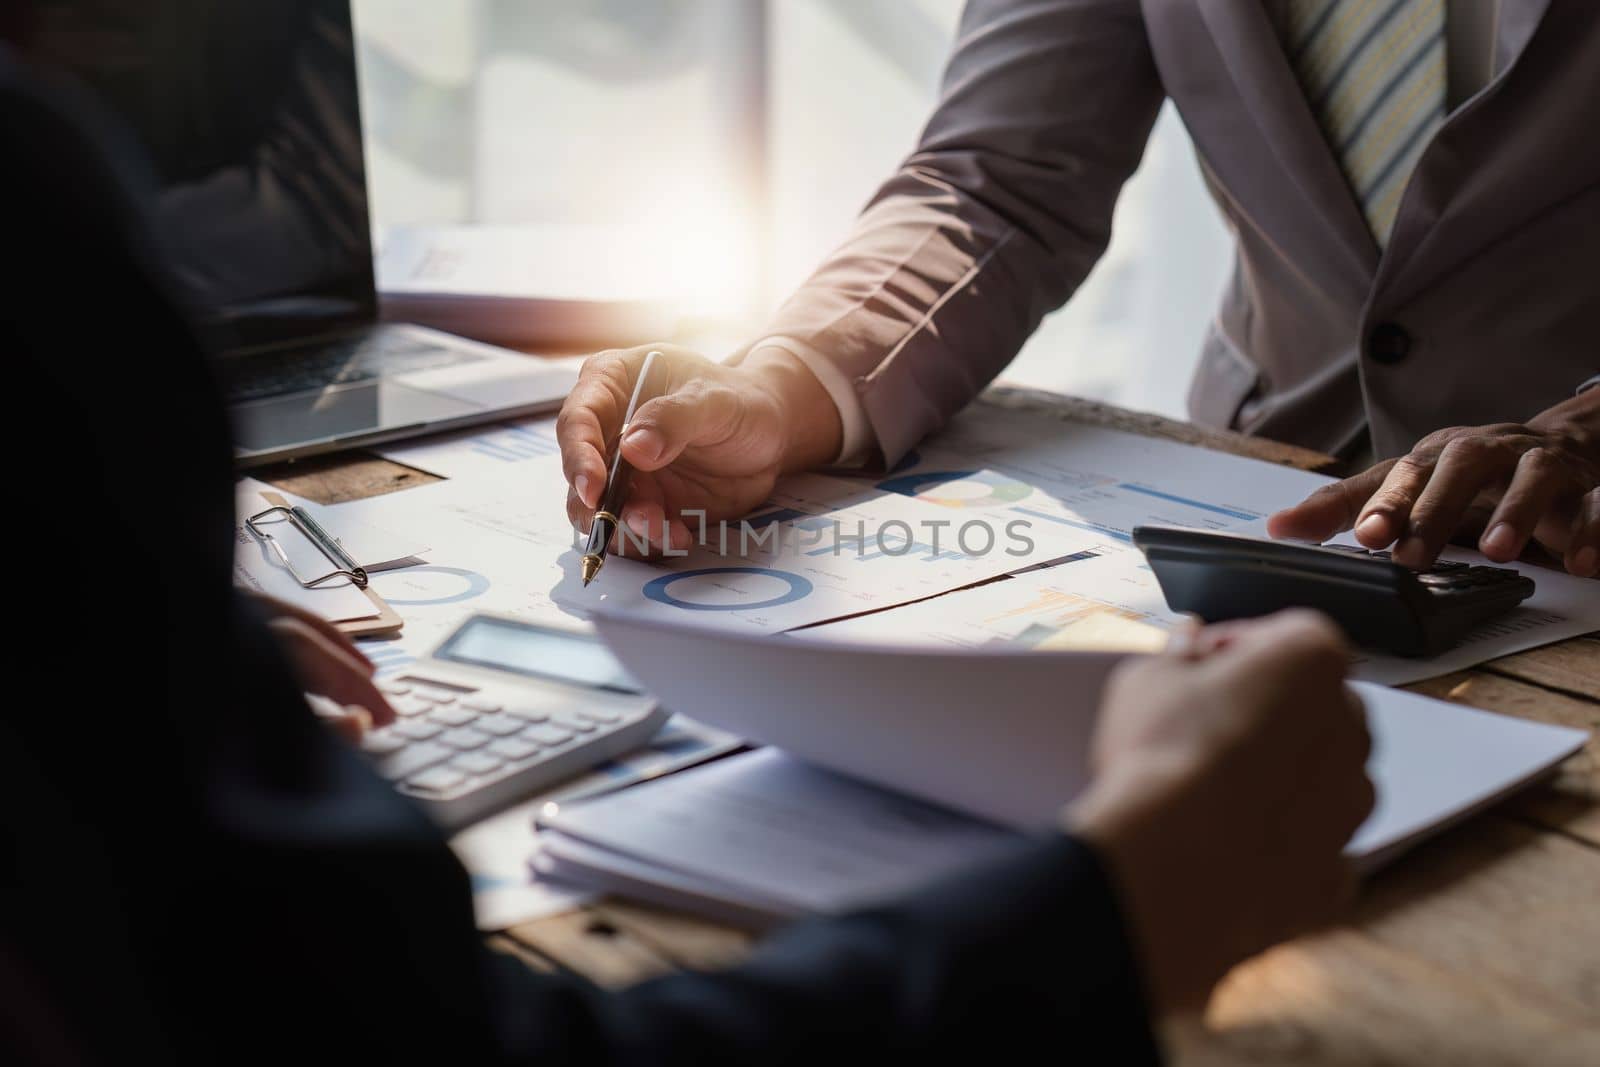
[661,429]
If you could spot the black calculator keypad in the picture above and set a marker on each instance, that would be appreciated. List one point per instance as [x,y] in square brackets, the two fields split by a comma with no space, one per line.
[1446,576]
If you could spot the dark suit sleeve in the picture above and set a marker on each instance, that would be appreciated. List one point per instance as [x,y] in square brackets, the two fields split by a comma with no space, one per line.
[201,874]
[1026,954]
[996,217]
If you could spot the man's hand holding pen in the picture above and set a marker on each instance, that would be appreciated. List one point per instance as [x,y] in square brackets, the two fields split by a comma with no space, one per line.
[707,436]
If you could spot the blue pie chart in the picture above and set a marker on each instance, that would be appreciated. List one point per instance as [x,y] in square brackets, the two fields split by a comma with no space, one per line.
[430,584]
[660,589]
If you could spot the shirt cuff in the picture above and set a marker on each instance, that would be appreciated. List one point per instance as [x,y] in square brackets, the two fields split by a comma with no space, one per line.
[1584,388]
[856,439]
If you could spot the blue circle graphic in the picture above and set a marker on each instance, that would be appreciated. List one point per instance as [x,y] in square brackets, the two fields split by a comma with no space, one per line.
[659,589]
[477,585]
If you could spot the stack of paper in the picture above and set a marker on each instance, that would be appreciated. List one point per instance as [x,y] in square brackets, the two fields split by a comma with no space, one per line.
[760,836]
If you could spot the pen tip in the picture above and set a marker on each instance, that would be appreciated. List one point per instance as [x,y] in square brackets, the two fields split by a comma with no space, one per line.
[591,567]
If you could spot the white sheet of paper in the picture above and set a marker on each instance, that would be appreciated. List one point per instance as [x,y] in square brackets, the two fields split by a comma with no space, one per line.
[487,451]
[1048,608]
[999,732]
[785,837]
[1095,480]
[1435,763]
[1108,601]
[514,550]
[813,573]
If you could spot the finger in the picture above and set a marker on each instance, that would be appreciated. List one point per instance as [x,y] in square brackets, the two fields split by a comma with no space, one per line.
[1383,517]
[592,417]
[650,530]
[581,515]
[1583,548]
[318,623]
[1329,896]
[644,529]
[1539,479]
[353,725]
[1210,638]
[326,669]
[1330,510]
[1293,651]
[700,413]
[349,722]
[581,434]
[1466,466]
[1183,639]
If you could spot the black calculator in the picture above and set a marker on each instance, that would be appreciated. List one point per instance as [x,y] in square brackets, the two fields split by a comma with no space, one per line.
[1377,602]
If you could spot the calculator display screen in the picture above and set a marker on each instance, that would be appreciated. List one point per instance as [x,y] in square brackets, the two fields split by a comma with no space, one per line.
[536,651]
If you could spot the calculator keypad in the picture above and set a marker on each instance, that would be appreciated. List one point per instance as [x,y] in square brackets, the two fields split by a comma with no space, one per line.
[449,741]
[1447,576]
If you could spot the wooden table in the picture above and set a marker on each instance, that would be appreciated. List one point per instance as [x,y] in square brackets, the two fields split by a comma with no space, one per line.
[1481,947]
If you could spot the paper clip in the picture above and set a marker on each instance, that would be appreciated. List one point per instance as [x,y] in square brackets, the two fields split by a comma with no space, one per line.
[327,544]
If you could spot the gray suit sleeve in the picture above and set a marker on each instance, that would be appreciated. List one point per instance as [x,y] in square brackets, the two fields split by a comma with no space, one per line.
[996,217]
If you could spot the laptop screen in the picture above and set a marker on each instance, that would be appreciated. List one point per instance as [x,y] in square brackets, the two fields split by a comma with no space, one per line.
[246,134]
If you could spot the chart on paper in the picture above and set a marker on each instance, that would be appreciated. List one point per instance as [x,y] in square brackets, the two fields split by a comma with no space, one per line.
[485,451]
[1093,604]
[821,548]
[1114,601]
[1090,479]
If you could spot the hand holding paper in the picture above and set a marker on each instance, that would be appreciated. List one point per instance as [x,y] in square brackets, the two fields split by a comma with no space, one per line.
[1225,787]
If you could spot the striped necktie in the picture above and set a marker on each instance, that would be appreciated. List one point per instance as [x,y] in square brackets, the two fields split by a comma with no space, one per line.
[1374,74]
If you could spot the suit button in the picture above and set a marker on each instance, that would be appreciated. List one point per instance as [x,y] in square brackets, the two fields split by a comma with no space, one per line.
[1388,343]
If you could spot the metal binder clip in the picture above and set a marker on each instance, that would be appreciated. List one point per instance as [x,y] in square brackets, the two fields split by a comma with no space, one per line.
[326,543]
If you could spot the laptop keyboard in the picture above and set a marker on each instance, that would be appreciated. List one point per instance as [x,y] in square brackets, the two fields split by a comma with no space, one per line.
[342,361]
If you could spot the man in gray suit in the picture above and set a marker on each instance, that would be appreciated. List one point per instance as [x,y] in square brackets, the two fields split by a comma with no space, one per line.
[1414,186]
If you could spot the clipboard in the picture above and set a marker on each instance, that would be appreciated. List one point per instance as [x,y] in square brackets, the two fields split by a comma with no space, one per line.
[386,621]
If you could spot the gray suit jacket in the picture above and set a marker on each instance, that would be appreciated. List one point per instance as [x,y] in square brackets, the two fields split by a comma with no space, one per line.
[1485,306]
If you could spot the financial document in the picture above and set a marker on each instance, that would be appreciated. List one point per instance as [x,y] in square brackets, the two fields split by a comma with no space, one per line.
[1091,479]
[483,451]
[497,851]
[764,833]
[821,548]
[766,830]
[1089,485]
[1115,601]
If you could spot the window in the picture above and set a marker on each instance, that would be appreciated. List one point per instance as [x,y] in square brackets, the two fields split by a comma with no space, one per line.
[730,136]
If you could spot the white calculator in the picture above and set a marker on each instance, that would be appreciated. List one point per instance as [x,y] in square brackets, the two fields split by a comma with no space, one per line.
[503,709]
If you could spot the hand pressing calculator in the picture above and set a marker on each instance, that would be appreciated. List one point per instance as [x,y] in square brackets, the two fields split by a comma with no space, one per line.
[503,709]
[1376,601]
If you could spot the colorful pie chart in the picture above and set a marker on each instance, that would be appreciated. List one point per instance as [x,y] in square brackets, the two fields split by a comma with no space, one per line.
[960,489]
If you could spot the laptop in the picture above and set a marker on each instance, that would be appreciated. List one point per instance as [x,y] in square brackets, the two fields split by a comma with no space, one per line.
[243,130]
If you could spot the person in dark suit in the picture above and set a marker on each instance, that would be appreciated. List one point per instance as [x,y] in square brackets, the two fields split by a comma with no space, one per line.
[197,871]
[1413,187]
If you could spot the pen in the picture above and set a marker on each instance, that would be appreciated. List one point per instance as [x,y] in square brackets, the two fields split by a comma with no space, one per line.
[606,518]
